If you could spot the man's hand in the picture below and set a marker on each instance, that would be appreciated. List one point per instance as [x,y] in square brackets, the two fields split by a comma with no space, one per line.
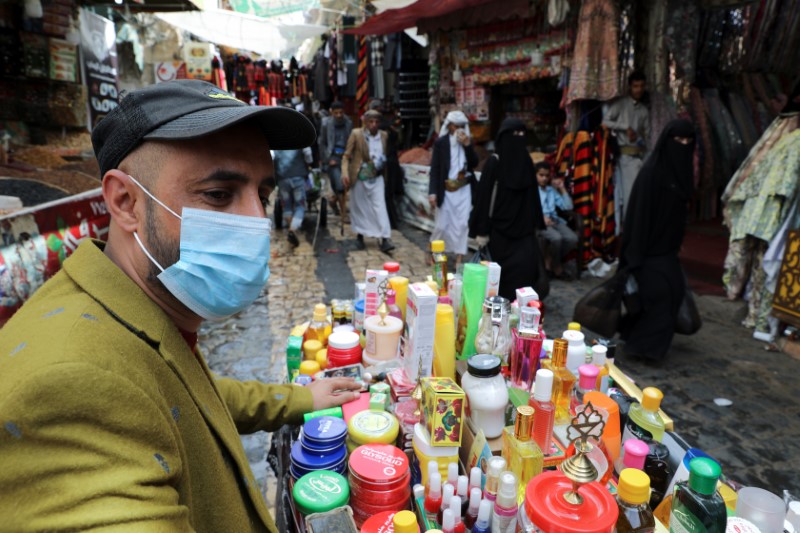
[333,162]
[482,240]
[432,200]
[558,184]
[333,392]
[463,138]
[549,221]
[346,181]
[632,135]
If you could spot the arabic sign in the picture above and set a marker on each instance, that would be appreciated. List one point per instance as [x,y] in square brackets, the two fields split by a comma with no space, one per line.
[99,54]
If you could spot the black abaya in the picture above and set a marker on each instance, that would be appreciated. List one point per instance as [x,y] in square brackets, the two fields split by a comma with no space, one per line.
[652,237]
[516,215]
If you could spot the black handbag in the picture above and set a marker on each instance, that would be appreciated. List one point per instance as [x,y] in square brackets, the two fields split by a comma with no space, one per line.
[481,254]
[688,321]
[600,309]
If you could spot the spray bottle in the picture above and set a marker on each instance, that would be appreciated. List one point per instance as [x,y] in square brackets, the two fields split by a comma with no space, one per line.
[504,515]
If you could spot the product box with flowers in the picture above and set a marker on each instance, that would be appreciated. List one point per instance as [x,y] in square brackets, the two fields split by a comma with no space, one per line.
[442,410]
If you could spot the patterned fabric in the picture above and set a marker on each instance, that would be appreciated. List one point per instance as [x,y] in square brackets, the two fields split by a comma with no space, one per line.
[362,80]
[376,54]
[683,24]
[595,61]
[656,51]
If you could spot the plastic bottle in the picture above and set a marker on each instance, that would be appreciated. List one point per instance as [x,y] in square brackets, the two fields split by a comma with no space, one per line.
[391,303]
[447,493]
[471,517]
[544,415]
[600,360]
[644,422]
[587,382]
[471,307]
[475,478]
[444,340]
[576,354]
[320,327]
[448,522]
[504,515]
[635,454]
[433,466]
[458,523]
[433,500]
[696,505]
[563,381]
[496,467]
[462,491]
[487,394]
[633,495]
[439,266]
[484,522]
[405,522]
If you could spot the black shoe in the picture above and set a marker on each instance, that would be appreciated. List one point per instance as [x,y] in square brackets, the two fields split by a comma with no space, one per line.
[293,240]
[386,246]
[360,243]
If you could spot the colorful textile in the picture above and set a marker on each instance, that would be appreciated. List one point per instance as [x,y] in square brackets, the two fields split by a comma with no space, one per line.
[362,79]
[595,61]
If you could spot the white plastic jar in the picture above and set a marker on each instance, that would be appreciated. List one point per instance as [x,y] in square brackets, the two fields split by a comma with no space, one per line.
[576,353]
[487,395]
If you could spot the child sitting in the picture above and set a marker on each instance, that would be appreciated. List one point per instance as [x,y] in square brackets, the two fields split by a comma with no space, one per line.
[559,238]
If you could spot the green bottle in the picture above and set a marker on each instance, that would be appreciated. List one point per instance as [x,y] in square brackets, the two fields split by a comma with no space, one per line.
[696,505]
[472,295]
[644,422]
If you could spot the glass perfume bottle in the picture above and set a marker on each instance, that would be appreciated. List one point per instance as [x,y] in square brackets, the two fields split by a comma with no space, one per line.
[563,381]
[522,454]
[544,415]
[526,348]
[494,334]
[696,505]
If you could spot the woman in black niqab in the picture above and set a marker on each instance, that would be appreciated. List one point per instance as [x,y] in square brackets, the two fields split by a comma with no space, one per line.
[652,235]
[516,214]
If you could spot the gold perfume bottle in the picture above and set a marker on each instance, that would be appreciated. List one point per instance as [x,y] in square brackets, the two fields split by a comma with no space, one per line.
[563,381]
[522,454]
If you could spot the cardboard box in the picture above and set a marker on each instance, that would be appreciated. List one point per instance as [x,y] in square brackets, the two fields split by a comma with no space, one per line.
[493,281]
[375,282]
[443,411]
[417,341]
[525,295]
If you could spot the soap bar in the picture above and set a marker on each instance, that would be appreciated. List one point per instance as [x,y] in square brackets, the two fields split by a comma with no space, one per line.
[380,388]
[379,401]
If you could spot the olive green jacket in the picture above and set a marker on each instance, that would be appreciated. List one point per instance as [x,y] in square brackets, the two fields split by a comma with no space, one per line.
[110,422]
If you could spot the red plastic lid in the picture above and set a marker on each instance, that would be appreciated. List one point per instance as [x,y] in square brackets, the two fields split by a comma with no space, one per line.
[549,511]
[391,267]
[379,523]
[378,464]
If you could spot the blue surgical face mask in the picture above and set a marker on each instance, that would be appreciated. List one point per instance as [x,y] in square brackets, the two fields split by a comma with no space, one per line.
[223,260]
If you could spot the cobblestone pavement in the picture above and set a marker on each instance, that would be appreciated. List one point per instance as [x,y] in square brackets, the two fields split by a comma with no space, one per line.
[754,438]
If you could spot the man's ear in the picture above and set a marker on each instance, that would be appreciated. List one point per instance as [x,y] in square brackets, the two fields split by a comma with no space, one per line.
[121,196]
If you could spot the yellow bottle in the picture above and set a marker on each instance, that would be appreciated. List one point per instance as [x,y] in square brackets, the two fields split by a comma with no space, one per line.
[563,380]
[400,286]
[405,522]
[439,266]
[444,343]
[522,454]
[320,326]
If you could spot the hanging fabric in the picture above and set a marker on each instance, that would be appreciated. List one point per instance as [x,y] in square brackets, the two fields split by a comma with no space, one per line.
[595,61]
[362,80]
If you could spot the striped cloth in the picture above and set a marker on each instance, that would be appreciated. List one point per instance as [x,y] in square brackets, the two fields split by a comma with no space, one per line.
[362,80]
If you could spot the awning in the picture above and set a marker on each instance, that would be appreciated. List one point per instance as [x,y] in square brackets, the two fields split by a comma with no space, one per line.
[246,32]
[396,20]
[145,6]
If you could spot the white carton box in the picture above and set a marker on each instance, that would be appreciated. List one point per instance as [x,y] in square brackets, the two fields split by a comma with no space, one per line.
[493,282]
[418,336]
[525,295]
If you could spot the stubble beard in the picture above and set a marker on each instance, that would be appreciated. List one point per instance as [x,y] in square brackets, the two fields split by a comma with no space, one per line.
[165,252]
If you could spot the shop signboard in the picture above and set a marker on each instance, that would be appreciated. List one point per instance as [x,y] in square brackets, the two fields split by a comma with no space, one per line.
[99,62]
[35,241]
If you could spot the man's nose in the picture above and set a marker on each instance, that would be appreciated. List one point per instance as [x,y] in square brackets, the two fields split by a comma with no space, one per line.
[253,207]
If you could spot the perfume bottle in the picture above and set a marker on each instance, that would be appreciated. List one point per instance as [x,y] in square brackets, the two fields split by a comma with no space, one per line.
[696,505]
[439,266]
[494,334]
[563,381]
[522,454]
[633,494]
[600,360]
[526,348]
[544,415]
[391,302]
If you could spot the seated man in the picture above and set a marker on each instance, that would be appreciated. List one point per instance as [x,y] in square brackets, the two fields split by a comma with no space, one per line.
[111,418]
[559,239]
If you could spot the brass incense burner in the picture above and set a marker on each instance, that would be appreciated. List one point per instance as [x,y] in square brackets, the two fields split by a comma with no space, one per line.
[579,469]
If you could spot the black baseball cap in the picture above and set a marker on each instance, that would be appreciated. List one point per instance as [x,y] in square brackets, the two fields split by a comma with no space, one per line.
[187,109]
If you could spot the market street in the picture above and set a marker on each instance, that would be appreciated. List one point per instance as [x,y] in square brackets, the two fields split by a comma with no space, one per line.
[754,437]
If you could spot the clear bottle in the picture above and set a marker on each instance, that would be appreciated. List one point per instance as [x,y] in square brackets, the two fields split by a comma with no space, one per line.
[522,454]
[494,332]
[504,515]
[696,505]
[633,495]
[544,415]
[563,381]
[644,422]
[526,348]
[587,382]
[484,522]
[600,360]
[496,467]
[320,327]
[439,266]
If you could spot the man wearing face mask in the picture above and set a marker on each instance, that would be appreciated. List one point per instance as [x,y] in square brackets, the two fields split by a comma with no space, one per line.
[111,417]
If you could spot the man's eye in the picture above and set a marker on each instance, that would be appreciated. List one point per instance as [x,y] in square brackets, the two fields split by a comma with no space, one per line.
[217,196]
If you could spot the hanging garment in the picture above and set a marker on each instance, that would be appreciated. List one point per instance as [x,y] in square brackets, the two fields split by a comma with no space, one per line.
[603,221]
[362,80]
[656,64]
[683,25]
[595,61]
[574,163]
[557,11]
